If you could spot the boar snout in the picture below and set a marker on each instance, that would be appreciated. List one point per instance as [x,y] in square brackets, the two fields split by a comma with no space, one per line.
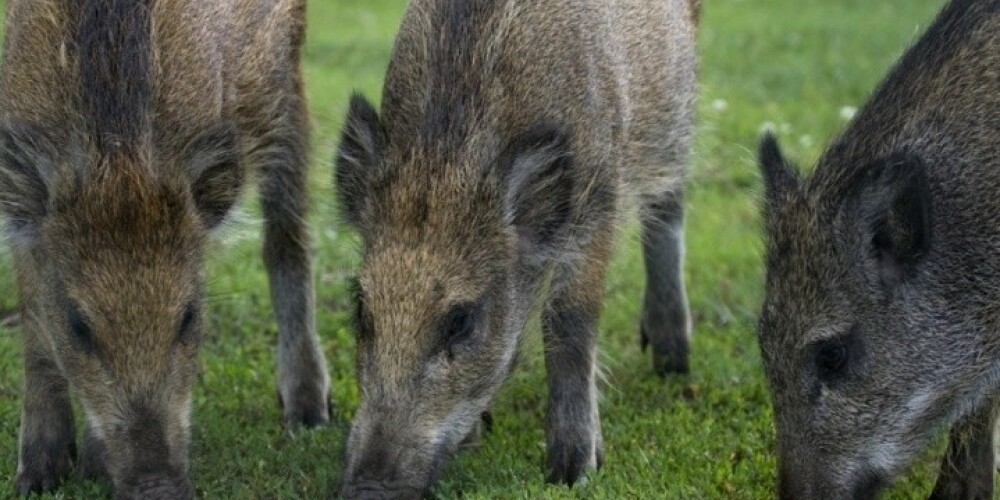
[380,474]
[382,465]
[157,487]
[373,490]
[797,481]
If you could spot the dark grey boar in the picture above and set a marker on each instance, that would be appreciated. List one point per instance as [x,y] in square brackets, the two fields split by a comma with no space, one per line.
[512,138]
[881,322]
[125,129]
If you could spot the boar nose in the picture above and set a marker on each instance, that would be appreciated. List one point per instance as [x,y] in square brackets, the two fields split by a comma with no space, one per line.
[790,485]
[157,487]
[868,487]
[377,475]
[379,491]
[374,466]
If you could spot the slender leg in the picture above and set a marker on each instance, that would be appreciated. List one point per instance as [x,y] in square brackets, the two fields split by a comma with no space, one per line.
[48,441]
[967,471]
[666,323]
[569,322]
[93,462]
[475,436]
[282,156]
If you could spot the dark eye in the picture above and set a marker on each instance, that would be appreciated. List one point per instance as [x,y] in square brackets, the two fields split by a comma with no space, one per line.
[831,359]
[187,321]
[459,326]
[838,357]
[80,330]
[362,322]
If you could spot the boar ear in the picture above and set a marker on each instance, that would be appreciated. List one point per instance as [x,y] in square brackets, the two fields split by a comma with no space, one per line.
[361,146]
[779,176]
[540,185]
[26,168]
[895,216]
[213,165]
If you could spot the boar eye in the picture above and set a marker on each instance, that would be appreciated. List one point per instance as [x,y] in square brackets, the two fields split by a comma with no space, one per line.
[187,321]
[833,357]
[82,335]
[362,322]
[459,326]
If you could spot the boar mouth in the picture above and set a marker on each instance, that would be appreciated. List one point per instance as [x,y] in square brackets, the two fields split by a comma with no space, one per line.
[866,487]
[374,490]
[156,487]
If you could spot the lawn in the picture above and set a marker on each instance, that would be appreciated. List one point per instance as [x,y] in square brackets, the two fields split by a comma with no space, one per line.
[797,66]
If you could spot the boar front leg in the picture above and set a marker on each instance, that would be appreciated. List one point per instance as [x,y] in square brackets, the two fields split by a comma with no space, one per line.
[968,465]
[569,324]
[47,440]
[93,457]
[303,382]
[665,324]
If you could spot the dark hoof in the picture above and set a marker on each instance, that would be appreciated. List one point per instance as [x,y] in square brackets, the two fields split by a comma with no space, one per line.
[669,357]
[44,469]
[308,410]
[36,482]
[569,462]
[92,464]
[670,363]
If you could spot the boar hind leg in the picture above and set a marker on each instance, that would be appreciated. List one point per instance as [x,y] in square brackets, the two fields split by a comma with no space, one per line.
[573,429]
[282,158]
[968,465]
[665,324]
[48,441]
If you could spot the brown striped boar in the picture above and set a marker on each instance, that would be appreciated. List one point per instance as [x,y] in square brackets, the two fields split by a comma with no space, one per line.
[126,127]
[881,321]
[512,139]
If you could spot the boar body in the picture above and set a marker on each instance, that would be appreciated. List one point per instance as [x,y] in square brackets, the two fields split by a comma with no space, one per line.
[880,322]
[513,137]
[126,127]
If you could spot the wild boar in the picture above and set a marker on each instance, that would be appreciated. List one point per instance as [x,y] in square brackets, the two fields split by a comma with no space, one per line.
[126,127]
[513,137]
[881,318]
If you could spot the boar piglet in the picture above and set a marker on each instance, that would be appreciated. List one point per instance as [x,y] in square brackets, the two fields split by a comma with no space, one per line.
[125,129]
[881,321]
[512,138]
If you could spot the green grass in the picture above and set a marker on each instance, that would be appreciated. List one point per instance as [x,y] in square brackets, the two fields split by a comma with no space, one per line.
[792,64]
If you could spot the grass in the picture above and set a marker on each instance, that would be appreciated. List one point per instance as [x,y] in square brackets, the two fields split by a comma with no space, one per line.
[795,65]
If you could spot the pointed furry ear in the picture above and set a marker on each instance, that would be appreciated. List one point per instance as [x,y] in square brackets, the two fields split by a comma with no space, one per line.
[27,164]
[539,179]
[779,176]
[213,164]
[890,214]
[362,144]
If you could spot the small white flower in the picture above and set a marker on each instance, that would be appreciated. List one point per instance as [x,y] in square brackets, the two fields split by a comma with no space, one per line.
[720,105]
[847,112]
[806,141]
[785,128]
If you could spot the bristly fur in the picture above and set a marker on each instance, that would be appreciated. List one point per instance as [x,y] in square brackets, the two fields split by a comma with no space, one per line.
[512,136]
[903,89]
[126,129]
[113,41]
[880,320]
[453,104]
